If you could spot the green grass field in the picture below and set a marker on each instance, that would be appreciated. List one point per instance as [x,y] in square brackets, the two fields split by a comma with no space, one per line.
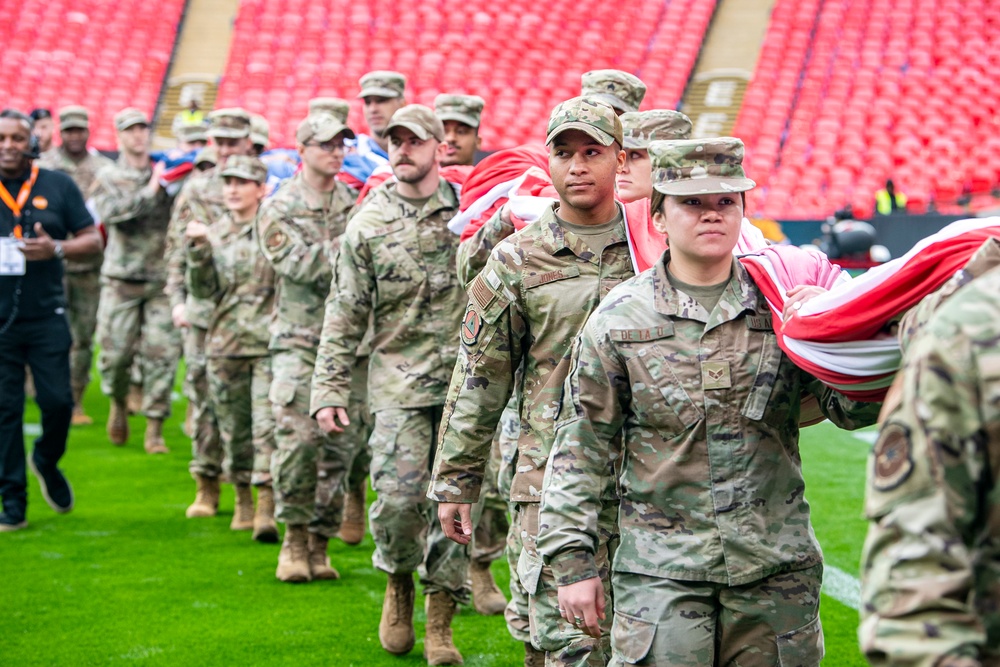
[126,579]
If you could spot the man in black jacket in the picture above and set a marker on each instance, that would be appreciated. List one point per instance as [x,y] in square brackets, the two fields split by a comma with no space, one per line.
[39,209]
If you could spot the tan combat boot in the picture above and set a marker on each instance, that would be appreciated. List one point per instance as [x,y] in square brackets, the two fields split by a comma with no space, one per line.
[134,399]
[153,442]
[243,510]
[79,417]
[319,561]
[118,424]
[486,595]
[293,560]
[264,527]
[395,630]
[206,502]
[438,647]
[532,656]
[352,529]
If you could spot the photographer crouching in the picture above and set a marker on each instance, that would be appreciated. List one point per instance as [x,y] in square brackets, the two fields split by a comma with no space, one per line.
[39,209]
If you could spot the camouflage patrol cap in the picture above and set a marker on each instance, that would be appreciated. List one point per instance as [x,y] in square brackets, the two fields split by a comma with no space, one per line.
[229,123]
[192,132]
[339,108]
[643,127]
[417,119]
[73,116]
[621,90]
[699,166]
[381,83]
[129,117]
[247,167]
[466,109]
[260,131]
[207,154]
[594,117]
[320,127]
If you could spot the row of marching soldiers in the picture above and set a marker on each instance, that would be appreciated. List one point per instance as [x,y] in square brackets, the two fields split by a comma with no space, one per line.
[321,336]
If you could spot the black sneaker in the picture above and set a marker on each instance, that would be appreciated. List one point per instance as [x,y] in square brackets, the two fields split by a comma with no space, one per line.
[55,487]
[9,523]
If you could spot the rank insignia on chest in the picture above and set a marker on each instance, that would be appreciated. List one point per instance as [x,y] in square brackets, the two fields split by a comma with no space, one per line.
[471,326]
[715,375]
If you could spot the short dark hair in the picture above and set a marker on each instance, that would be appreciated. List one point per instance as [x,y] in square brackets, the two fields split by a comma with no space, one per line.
[17,115]
[40,114]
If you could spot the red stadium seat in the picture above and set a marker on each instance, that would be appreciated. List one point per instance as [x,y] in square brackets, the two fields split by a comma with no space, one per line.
[521,78]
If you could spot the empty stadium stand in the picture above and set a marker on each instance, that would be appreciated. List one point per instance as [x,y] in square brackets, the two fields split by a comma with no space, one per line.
[522,56]
[848,93]
[103,55]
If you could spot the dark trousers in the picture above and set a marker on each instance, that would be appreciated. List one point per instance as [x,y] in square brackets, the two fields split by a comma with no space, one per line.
[44,346]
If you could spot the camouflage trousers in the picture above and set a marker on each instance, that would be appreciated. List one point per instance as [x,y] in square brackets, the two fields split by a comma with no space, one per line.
[239,389]
[206,447]
[311,468]
[134,328]
[767,623]
[83,293]
[563,643]
[404,525]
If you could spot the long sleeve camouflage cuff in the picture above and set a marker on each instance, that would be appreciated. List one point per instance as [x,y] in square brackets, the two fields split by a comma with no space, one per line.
[328,399]
[445,490]
[200,253]
[572,566]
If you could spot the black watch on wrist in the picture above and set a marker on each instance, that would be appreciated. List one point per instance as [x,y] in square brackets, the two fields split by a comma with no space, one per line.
[57,252]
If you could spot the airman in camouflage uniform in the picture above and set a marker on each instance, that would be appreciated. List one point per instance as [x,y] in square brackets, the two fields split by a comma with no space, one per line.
[225,266]
[352,528]
[641,128]
[461,116]
[299,231]
[930,587]
[681,395]
[134,315]
[201,200]
[397,269]
[527,306]
[623,91]
[338,108]
[83,277]
[260,133]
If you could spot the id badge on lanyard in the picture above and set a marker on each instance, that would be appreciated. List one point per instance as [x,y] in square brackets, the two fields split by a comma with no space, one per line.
[12,261]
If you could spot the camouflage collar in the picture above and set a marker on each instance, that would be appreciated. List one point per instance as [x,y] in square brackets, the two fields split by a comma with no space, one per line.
[443,198]
[313,198]
[741,295]
[555,238]
[123,164]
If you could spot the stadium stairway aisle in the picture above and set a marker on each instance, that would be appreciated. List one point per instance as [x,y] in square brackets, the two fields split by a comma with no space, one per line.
[714,95]
[199,59]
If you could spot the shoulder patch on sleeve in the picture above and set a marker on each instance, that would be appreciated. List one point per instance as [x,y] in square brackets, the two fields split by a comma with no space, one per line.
[892,457]
[275,239]
[481,293]
[472,324]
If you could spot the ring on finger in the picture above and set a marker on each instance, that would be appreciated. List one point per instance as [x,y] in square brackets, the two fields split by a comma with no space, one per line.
[577,620]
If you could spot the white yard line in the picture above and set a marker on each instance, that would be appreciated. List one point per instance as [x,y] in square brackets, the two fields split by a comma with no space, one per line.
[867,437]
[841,586]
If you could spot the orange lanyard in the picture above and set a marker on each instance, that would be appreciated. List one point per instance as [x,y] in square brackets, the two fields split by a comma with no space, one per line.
[17,205]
